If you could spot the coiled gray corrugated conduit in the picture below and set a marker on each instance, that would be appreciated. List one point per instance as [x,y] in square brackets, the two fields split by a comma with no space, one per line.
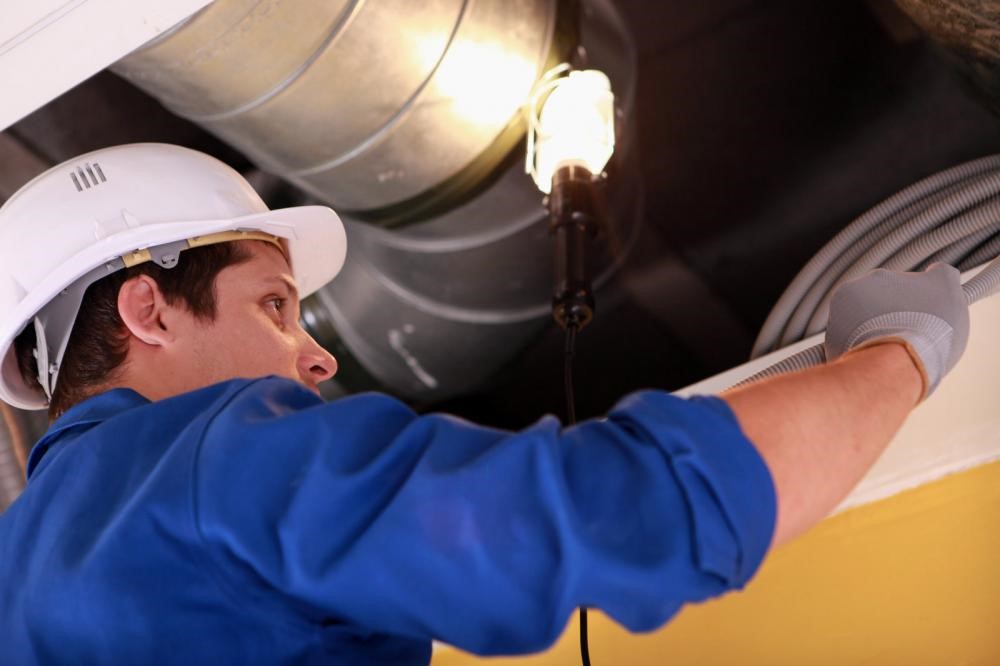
[951,217]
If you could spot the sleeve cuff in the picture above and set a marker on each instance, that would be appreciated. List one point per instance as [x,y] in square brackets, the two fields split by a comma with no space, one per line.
[728,487]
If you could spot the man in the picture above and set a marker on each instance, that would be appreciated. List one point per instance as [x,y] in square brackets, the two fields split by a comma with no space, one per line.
[195,501]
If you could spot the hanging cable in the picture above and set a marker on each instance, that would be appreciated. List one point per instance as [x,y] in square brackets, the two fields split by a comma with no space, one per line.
[568,375]
[573,223]
[569,350]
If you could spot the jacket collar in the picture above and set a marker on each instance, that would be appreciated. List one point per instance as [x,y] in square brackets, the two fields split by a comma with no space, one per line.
[88,413]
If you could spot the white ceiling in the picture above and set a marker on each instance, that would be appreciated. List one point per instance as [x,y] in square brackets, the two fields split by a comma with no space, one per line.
[49,46]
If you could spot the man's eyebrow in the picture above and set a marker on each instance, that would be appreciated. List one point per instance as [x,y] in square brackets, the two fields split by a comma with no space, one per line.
[289,284]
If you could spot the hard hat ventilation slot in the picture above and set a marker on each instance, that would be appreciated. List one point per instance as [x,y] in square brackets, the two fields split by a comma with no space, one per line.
[87,176]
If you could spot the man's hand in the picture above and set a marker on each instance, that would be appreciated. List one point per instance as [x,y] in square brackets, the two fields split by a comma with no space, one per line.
[926,312]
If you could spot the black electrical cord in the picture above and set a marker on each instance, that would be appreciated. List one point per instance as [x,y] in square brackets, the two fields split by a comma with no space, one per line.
[584,647]
[571,328]
[573,221]
[568,374]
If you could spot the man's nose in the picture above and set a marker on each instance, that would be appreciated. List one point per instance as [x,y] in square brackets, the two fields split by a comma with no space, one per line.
[316,364]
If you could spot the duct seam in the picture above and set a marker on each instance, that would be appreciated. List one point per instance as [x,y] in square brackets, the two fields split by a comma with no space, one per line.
[335,31]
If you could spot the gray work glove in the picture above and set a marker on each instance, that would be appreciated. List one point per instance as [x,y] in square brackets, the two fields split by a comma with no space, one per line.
[927,312]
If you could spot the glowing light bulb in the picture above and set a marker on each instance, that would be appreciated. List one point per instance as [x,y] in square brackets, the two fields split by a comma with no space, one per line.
[576,126]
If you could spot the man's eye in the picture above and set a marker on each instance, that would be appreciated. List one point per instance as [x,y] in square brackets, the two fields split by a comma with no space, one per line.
[277,303]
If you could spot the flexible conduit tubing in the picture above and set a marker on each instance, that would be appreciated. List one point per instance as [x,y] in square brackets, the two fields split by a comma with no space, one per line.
[952,217]
[937,198]
[867,251]
[907,240]
[984,218]
[985,252]
[983,284]
[954,253]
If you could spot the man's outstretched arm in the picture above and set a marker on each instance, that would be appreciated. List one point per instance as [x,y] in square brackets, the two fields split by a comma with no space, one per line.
[891,338]
[819,430]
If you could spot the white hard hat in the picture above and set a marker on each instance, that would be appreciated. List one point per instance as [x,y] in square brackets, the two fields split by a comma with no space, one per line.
[96,213]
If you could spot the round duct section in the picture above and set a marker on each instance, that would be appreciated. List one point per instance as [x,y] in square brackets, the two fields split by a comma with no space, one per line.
[366,105]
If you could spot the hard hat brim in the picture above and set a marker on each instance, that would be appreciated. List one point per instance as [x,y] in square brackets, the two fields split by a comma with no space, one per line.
[317,246]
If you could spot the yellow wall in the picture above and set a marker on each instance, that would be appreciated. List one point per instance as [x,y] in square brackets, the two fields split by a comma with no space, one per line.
[911,580]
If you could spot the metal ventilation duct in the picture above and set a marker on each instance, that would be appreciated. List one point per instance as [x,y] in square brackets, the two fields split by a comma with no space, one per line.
[363,104]
[379,108]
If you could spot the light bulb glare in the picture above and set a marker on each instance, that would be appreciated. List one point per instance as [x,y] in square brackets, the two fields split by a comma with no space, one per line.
[576,126]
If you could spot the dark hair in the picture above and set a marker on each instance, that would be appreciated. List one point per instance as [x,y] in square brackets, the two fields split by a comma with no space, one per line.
[98,344]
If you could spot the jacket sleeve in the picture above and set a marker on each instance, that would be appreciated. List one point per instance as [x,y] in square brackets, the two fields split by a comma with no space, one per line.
[431,527]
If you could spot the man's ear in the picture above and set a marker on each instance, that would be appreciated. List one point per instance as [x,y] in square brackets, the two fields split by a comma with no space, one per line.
[145,312]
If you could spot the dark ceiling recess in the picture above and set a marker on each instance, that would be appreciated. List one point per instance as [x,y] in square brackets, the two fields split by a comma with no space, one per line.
[765,127]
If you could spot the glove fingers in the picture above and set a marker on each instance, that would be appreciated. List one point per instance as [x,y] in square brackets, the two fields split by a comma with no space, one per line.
[927,310]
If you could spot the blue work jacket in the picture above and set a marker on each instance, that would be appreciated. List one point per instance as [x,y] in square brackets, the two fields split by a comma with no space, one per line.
[251,523]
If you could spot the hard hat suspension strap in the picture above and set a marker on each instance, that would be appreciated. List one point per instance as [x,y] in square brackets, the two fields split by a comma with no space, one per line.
[165,256]
[168,255]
